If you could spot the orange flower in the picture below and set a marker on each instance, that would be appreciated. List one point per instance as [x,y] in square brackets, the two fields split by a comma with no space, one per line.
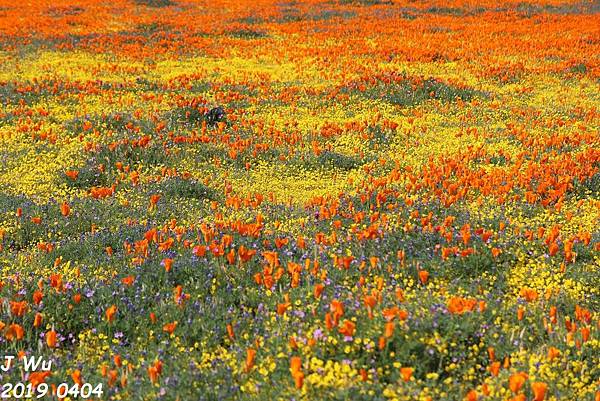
[495,368]
[520,313]
[230,332]
[423,276]
[14,332]
[65,210]
[18,308]
[381,343]
[585,334]
[154,200]
[170,327]
[471,396]
[37,320]
[168,264]
[496,252]
[72,174]
[110,313]
[539,390]
[458,305]
[406,373]
[389,329]
[250,356]
[153,373]
[347,328]
[337,309]
[529,294]
[516,381]
[37,378]
[296,371]
[51,338]
[76,376]
[282,308]
[370,301]
[244,253]
[553,353]
[318,290]
[37,297]
[447,252]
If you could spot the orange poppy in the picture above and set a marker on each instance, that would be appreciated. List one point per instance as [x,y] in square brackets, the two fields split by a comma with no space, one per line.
[423,276]
[110,313]
[516,381]
[15,332]
[76,376]
[37,320]
[39,377]
[347,328]
[65,209]
[168,264]
[406,373]
[250,357]
[170,327]
[51,339]
[539,390]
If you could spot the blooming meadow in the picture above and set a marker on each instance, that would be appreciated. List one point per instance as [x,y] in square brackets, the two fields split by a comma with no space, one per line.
[303,200]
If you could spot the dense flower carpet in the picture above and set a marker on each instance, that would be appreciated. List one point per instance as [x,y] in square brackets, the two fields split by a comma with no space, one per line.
[300,200]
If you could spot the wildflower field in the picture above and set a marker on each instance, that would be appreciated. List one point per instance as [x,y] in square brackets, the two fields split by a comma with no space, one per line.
[301,200]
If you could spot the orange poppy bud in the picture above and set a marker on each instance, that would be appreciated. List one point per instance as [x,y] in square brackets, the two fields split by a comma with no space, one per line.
[65,210]
[520,313]
[168,264]
[389,329]
[495,368]
[318,290]
[250,357]
[51,338]
[37,320]
[382,342]
[423,276]
[76,376]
